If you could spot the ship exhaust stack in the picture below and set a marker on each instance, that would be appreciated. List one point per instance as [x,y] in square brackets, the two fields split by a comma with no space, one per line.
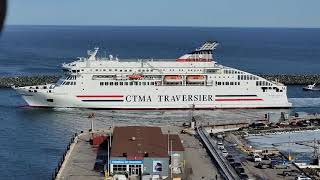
[202,54]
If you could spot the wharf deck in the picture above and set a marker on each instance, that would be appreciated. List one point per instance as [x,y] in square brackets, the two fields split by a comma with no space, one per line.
[79,161]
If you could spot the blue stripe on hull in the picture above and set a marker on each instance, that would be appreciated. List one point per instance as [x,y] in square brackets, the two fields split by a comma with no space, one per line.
[101,100]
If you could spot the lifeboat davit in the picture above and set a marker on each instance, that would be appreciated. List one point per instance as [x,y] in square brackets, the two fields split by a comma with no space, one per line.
[196,78]
[173,78]
[135,76]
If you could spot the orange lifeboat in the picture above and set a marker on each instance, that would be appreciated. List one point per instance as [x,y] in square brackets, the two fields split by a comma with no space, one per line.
[135,76]
[173,78]
[196,78]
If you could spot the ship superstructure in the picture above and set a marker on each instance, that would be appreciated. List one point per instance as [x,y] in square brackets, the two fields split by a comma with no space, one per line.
[194,80]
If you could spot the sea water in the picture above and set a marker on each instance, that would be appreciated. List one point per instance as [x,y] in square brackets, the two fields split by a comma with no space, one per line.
[33,140]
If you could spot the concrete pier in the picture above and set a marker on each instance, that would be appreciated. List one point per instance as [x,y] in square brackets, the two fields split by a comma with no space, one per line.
[79,160]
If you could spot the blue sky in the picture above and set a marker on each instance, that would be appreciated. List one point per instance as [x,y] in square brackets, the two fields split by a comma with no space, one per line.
[209,13]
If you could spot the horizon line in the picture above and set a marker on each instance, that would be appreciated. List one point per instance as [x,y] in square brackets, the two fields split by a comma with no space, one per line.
[92,25]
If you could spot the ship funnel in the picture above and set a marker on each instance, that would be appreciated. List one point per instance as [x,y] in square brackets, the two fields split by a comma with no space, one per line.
[208,46]
[202,54]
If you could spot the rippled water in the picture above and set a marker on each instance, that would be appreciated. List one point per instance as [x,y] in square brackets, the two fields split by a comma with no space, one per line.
[42,49]
[33,140]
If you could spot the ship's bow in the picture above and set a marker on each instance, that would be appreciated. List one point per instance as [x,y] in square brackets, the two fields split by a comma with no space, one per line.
[32,96]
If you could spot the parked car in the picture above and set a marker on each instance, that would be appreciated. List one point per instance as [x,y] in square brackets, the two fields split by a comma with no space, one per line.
[236,164]
[244,176]
[292,172]
[262,165]
[279,164]
[257,158]
[224,153]
[266,157]
[229,156]
[219,136]
[220,145]
[303,178]
[239,170]
[231,160]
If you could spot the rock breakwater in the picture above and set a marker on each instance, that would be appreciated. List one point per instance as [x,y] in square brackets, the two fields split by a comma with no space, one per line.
[294,79]
[6,82]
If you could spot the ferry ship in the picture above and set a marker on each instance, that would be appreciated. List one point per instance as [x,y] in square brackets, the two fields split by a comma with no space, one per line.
[192,81]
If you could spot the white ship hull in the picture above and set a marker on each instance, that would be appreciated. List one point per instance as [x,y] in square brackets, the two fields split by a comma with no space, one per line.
[157,98]
[108,84]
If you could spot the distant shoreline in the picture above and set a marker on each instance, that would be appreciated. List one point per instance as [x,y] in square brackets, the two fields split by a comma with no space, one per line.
[160,26]
[9,81]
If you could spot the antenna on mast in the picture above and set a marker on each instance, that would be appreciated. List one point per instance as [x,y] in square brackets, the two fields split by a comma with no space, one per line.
[92,54]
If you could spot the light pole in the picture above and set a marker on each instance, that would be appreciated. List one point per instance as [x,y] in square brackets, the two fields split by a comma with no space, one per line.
[171,168]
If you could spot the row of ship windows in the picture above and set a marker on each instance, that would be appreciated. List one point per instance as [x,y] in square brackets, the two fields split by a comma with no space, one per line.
[265,89]
[72,83]
[240,77]
[143,70]
[247,77]
[71,77]
[124,70]
[171,70]
[127,83]
[263,83]
[229,71]
[156,76]
[227,83]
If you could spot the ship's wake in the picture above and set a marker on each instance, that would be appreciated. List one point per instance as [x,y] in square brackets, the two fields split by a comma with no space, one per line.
[305,102]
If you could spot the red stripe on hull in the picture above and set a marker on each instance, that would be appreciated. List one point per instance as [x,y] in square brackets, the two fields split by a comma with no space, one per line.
[209,108]
[100,96]
[255,99]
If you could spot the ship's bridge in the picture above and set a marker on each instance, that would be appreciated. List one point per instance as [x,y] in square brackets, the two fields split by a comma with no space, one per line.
[71,68]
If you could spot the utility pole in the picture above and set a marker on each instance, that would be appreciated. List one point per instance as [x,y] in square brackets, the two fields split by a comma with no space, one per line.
[314,148]
[289,156]
[110,138]
[108,169]
[171,173]
[168,142]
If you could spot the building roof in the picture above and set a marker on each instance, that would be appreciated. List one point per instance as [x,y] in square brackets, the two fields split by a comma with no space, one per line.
[137,142]
[176,142]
